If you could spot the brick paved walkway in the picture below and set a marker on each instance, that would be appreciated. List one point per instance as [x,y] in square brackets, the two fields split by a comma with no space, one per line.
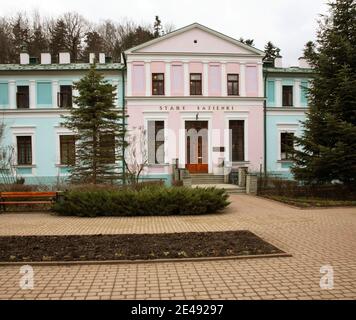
[314,238]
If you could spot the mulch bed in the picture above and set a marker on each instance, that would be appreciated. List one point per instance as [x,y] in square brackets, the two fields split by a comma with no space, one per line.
[132,247]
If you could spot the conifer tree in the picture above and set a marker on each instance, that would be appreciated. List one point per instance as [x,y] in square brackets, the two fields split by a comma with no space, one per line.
[271,52]
[59,39]
[326,152]
[99,131]
[157,27]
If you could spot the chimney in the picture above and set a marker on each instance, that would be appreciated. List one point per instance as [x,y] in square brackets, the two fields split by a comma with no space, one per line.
[91,58]
[64,57]
[303,63]
[45,58]
[24,58]
[101,57]
[278,62]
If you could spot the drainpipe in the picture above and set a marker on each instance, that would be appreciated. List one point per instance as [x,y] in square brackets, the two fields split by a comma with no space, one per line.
[265,126]
[124,126]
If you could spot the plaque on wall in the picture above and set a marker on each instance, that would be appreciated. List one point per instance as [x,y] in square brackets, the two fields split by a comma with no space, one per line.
[218,149]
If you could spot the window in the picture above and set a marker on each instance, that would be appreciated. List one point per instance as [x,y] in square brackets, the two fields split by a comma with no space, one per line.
[107,148]
[67,149]
[232,84]
[23,97]
[158,84]
[195,84]
[287,145]
[64,98]
[156,142]
[24,150]
[237,128]
[287,96]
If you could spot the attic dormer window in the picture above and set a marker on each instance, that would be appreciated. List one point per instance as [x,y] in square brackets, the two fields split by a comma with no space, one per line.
[195,41]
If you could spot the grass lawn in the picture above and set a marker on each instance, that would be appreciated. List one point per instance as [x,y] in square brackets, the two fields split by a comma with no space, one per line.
[312,202]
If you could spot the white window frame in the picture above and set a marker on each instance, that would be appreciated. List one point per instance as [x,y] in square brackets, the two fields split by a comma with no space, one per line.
[284,128]
[157,117]
[25,131]
[60,131]
[243,116]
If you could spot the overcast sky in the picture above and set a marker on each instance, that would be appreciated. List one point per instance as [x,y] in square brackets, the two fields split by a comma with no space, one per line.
[289,24]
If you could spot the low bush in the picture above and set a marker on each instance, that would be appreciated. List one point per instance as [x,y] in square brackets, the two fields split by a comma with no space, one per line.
[148,201]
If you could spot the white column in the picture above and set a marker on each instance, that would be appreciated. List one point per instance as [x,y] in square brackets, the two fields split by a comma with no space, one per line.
[129,80]
[12,94]
[32,94]
[242,80]
[223,80]
[167,79]
[205,79]
[186,79]
[148,78]
[278,91]
[260,80]
[296,93]
[55,90]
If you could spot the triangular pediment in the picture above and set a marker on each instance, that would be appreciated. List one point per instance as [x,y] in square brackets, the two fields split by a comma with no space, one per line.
[195,39]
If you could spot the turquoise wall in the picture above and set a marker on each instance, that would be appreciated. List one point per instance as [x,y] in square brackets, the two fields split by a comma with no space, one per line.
[4,95]
[44,124]
[43,86]
[271,91]
[273,122]
[44,94]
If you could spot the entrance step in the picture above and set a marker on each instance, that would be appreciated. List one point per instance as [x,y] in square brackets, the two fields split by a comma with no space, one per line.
[230,188]
[207,179]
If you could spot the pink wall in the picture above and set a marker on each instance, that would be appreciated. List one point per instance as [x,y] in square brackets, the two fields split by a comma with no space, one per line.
[158,67]
[195,67]
[251,81]
[206,43]
[138,79]
[177,79]
[233,68]
[255,128]
[214,79]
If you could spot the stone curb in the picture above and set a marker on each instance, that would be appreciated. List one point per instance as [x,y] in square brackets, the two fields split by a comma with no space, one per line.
[104,262]
[305,208]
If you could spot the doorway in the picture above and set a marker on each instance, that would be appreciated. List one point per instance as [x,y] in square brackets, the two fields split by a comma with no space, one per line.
[197,146]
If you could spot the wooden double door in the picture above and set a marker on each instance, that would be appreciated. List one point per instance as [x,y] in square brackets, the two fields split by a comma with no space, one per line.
[197,146]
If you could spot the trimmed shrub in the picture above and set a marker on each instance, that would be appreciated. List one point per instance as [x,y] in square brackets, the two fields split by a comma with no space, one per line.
[148,201]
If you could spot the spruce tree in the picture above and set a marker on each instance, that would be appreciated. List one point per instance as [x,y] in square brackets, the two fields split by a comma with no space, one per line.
[271,52]
[326,152]
[99,131]
[157,27]
[94,43]
[20,37]
[59,39]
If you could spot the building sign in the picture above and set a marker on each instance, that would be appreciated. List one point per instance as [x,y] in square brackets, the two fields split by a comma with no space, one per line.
[197,108]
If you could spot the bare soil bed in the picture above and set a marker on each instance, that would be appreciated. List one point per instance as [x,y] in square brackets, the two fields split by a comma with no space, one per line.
[132,246]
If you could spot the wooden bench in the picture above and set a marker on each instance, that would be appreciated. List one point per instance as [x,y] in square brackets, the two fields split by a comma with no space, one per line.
[16,198]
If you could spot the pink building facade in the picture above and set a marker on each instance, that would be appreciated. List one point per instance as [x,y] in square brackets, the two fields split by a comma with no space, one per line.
[198,97]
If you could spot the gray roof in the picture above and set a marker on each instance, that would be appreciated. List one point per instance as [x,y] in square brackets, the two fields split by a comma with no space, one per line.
[60,67]
[290,70]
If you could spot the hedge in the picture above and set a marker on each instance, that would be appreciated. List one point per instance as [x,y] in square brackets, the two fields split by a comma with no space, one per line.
[149,201]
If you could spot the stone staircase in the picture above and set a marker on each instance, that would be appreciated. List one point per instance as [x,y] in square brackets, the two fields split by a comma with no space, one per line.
[217,181]
[206,179]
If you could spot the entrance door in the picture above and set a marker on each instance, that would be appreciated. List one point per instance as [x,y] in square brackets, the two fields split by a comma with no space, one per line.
[197,146]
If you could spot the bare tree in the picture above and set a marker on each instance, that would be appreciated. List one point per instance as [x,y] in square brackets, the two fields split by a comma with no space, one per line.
[76,27]
[136,154]
[7,160]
